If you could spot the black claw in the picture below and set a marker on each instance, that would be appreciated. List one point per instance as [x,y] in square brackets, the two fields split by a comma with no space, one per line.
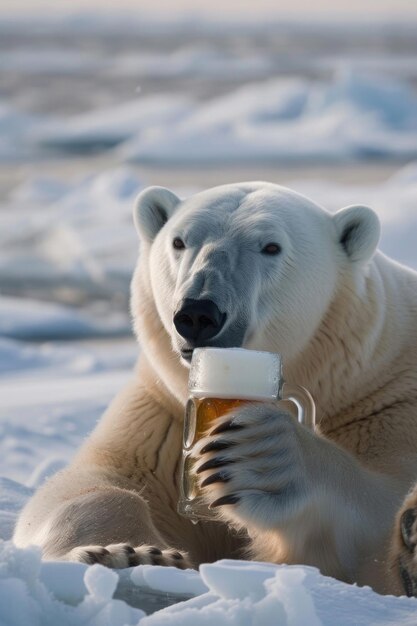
[95,556]
[213,463]
[177,555]
[128,549]
[231,499]
[226,426]
[408,519]
[133,559]
[219,477]
[215,446]
[155,551]
[409,586]
[91,556]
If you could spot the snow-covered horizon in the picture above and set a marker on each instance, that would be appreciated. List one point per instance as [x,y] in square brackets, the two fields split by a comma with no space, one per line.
[188,91]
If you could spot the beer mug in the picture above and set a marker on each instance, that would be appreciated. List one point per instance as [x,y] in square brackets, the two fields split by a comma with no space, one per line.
[221,380]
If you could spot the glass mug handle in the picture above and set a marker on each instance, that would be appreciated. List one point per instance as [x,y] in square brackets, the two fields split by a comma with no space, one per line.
[304,402]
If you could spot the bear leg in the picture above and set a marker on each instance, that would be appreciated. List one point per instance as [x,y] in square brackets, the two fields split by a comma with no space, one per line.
[404,546]
[109,525]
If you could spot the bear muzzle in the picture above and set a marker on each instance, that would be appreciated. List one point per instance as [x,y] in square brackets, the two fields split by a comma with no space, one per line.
[198,321]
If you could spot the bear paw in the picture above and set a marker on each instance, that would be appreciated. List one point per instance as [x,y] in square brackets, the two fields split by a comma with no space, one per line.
[405,549]
[121,555]
[251,467]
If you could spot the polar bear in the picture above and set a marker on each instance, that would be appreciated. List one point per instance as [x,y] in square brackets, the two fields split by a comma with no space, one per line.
[260,266]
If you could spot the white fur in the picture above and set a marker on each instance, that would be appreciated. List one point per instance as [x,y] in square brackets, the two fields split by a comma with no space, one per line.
[344,319]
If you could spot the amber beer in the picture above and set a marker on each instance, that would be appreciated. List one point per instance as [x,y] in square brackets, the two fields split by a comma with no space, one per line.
[221,380]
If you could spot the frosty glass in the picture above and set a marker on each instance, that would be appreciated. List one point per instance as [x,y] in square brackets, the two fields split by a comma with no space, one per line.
[223,379]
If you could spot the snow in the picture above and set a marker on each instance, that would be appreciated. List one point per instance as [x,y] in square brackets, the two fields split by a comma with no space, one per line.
[230,593]
[282,596]
[27,597]
[71,242]
[108,127]
[29,319]
[101,582]
[228,580]
[13,497]
[168,579]
[14,128]
[45,414]
[353,116]
[65,580]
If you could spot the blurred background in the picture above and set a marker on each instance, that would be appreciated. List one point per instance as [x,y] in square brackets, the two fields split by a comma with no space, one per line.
[97,102]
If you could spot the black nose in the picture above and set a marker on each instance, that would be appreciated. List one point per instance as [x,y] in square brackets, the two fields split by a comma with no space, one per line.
[199,320]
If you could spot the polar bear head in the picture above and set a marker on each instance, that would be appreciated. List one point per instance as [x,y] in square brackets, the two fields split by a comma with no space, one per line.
[253,265]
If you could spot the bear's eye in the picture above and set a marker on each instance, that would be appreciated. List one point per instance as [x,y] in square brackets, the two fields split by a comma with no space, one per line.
[178,244]
[271,248]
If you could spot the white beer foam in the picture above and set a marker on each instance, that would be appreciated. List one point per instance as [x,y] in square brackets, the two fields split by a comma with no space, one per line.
[235,373]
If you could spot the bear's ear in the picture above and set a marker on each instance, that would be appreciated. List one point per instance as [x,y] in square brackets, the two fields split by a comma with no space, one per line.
[153,208]
[357,231]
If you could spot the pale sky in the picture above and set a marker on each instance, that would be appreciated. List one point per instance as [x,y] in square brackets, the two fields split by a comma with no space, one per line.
[374,9]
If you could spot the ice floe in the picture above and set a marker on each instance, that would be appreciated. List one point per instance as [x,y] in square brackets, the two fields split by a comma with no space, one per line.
[354,116]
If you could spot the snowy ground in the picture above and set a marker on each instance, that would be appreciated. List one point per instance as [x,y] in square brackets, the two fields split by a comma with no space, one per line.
[74,243]
[68,247]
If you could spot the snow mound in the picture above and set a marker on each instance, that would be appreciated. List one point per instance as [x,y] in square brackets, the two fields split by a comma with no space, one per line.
[13,497]
[232,593]
[355,116]
[17,358]
[101,582]
[29,319]
[168,579]
[52,394]
[407,175]
[26,599]
[70,243]
[14,128]
[105,128]
[249,593]
[42,189]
